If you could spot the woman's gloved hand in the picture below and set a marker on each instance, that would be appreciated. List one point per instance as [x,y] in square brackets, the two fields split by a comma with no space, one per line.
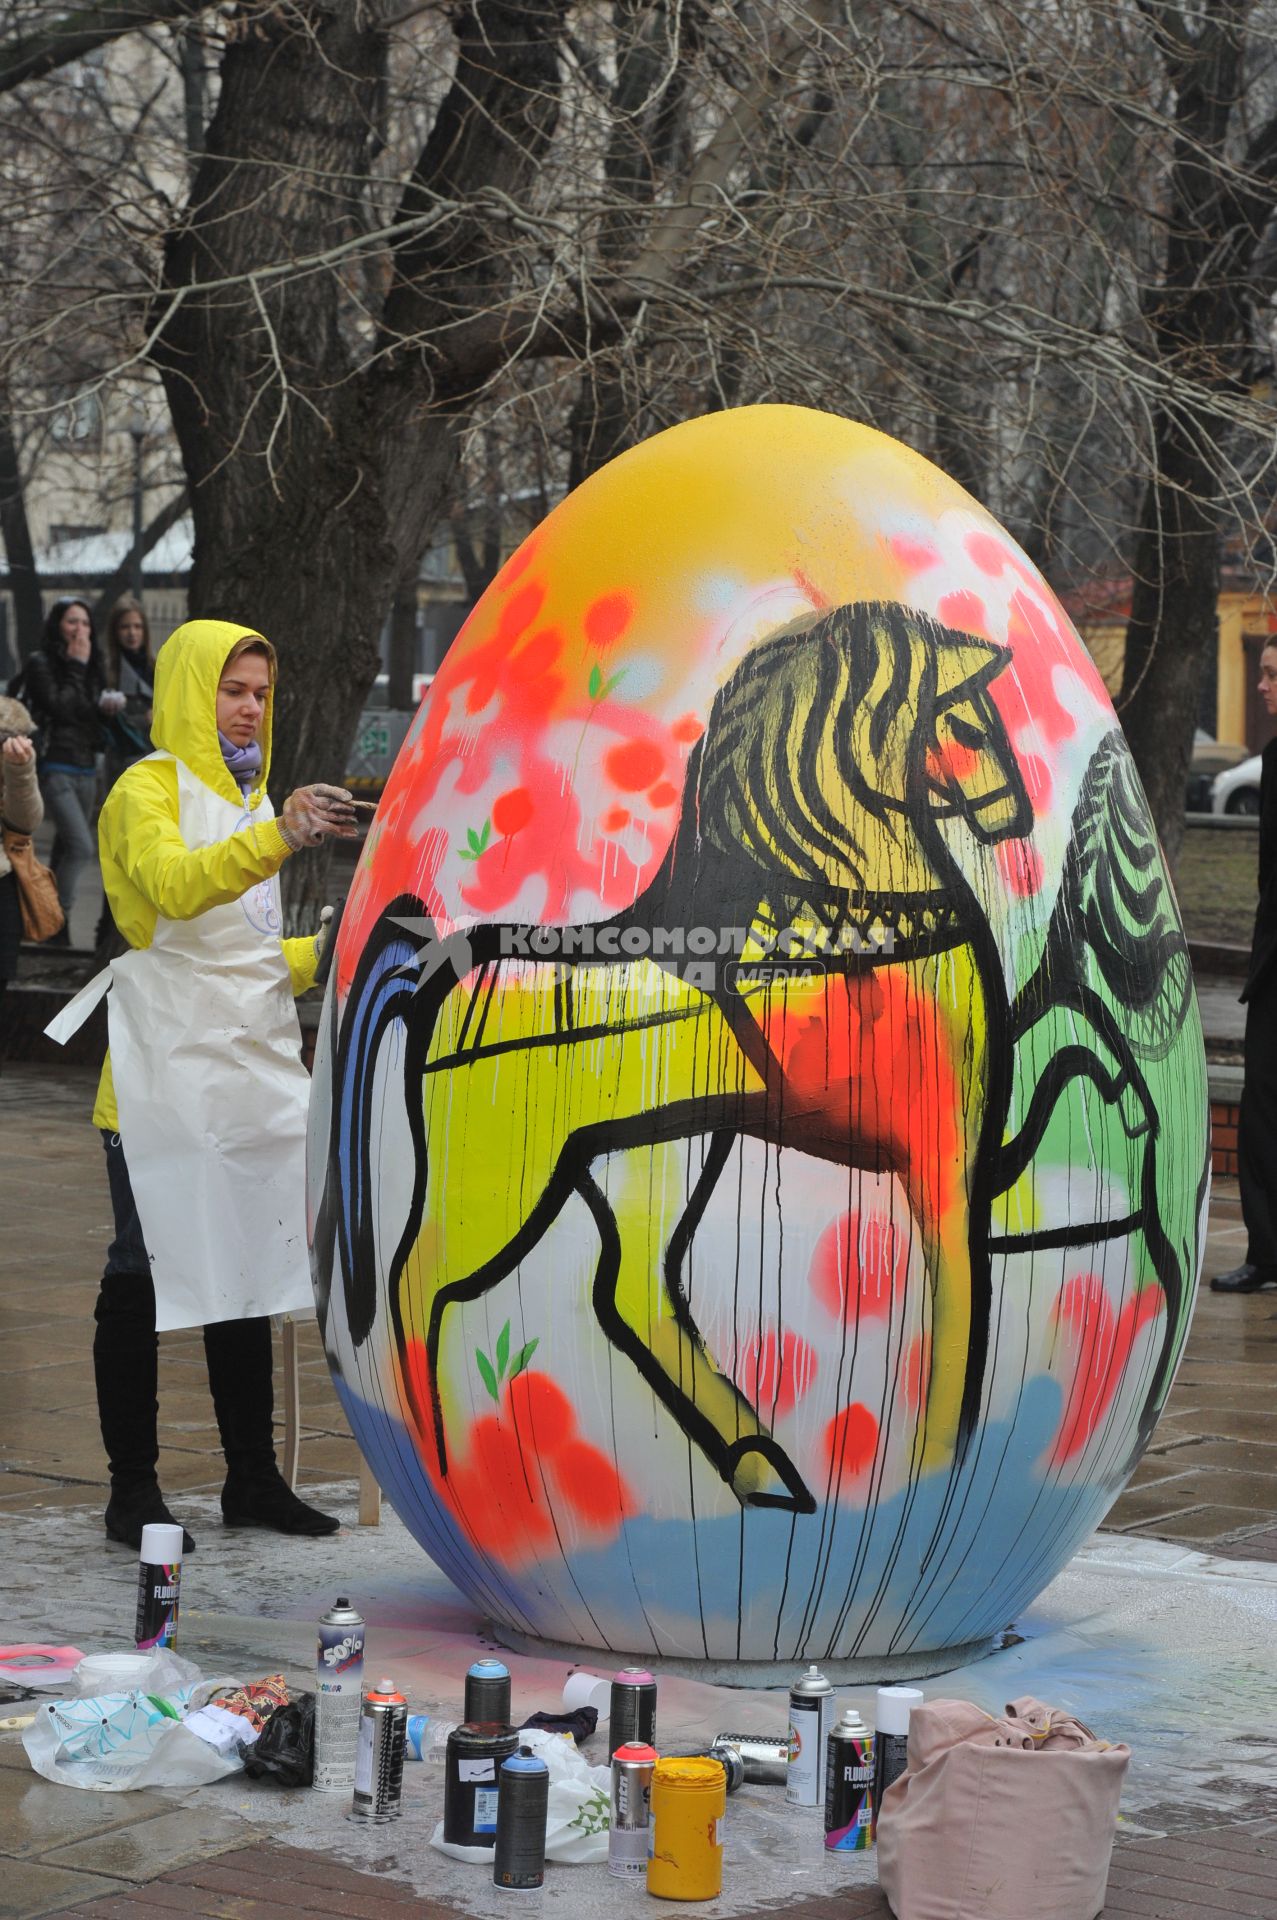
[312,814]
[325,928]
[111,700]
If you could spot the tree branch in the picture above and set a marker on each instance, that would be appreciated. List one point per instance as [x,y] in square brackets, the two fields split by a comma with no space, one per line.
[29,55]
[154,531]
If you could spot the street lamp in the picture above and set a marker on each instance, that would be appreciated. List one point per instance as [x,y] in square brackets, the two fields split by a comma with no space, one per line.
[137,430]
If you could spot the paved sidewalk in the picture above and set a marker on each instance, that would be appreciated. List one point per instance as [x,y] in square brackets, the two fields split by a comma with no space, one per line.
[1209,1482]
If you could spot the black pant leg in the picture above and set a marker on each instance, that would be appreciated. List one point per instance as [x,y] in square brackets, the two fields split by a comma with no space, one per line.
[125,1344]
[240,1377]
[1257,1132]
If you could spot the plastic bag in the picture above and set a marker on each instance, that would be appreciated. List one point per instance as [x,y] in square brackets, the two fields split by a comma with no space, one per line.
[115,1742]
[285,1747]
[576,1821]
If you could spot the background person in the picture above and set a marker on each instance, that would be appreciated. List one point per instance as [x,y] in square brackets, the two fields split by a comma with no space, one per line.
[1257,1127]
[65,686]
[203,1097]
[130,664]
[20,807]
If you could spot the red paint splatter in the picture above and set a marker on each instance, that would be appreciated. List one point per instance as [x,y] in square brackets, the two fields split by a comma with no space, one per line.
[1100,1343]
[851,1439]
[808,586]
[663,794]
[634,765]
[541,1410]
[511,811]
[532,661]
[687,728]
[607,618]
[1021,867]
[774,1374]
[965,611]
[615,820]
[517,564]
[496,1485]
[952,762]
[989,553]
[915,556]
[859,1266]
[588,1482]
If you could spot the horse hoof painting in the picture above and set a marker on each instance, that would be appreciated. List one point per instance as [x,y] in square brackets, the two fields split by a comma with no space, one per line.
[759,1139]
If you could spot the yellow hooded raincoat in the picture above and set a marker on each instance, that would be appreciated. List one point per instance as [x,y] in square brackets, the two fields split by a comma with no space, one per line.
[208,1091]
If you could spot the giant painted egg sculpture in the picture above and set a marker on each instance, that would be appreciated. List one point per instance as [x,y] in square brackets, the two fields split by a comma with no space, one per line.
[759,1151]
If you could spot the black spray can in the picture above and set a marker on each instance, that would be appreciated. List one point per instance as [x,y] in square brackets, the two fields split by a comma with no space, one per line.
[383,1724]
[488,1692]
[849,1776]
[523,1800]
[159,1576]
[470,1782]
[811,1711]
[632,1712]
[891,1739]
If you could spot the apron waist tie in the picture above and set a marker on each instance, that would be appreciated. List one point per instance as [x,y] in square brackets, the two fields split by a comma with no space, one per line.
[77,1010]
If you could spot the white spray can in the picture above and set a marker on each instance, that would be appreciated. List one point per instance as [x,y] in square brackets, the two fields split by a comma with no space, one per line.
[339,1677]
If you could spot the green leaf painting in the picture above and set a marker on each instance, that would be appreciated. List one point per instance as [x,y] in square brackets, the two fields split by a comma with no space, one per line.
[486,1374]
[492,1375]
[476,843]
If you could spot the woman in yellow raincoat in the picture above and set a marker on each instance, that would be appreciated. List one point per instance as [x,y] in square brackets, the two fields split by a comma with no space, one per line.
[202,1101]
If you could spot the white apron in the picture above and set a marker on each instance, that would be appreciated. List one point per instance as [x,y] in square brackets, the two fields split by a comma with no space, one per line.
[212,1094]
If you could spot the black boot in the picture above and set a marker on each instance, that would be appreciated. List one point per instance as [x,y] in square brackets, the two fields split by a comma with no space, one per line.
[126,1369]
[256,1494]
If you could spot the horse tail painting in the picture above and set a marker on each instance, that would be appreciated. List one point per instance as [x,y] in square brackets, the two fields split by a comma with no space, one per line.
[758,1143]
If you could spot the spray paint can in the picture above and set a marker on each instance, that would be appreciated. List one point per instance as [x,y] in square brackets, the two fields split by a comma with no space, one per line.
[811,1709]
[523,1801]
[891,1741]
[632,1710]
[379,1754]
[488,1692]
[849,1777]
[470,1782]
[765,1755]
[689,1800]
[630,1826]
[339,1674]
[159,1577]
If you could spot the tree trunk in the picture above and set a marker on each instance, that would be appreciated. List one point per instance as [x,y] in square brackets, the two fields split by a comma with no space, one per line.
[1171,631]
[24,580]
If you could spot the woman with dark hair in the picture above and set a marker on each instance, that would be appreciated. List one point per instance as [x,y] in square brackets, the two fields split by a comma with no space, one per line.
[130,664]
[65,686]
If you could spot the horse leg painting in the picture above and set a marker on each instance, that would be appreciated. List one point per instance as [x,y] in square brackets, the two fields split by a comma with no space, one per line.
[747,1217]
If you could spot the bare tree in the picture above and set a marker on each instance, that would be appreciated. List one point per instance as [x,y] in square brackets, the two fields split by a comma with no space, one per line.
[407,236]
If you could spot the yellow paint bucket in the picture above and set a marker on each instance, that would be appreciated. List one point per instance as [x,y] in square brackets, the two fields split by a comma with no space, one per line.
[689,1799]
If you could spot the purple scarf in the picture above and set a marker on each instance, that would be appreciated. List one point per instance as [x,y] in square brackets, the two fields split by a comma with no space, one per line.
[241,762]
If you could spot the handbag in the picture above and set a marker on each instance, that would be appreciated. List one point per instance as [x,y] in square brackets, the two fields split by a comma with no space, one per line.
[38,902]
[999,1819]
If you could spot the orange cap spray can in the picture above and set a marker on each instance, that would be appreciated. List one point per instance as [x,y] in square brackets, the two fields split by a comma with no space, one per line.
[689,1800]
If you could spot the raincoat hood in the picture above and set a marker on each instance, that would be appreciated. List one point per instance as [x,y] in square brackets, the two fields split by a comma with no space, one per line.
[187,670]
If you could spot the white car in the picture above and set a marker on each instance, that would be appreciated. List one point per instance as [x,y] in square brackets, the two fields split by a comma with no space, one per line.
[1237,791]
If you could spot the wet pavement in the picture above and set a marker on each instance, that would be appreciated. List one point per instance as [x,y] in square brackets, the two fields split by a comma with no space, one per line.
[1160,1632]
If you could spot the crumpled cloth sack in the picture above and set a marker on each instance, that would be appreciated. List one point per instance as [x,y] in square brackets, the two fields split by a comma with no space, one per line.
[1000,1819]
